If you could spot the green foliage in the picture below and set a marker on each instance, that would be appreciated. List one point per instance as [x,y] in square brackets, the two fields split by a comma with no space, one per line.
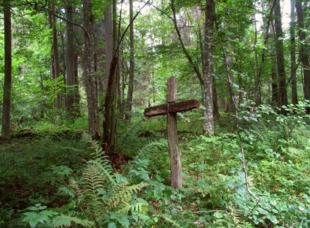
[26,177]
[104,194]
[38,216]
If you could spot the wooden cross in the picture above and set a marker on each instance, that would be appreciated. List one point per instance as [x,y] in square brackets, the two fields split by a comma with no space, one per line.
[171,109]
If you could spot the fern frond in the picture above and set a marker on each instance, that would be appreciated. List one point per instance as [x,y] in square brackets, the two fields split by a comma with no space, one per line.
[103,169]
[99,191]
[97,149]
[138,207]
[144,151]
[122,194]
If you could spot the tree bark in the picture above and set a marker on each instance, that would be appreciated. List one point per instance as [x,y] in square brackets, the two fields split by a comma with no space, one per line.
[109,124]
[6,112]
[274,74]
[257,79]
[231,106]
[70,62]
[108,43]
[89,76]
[303,52]
[280,56]
[293,56]
[55,65]
[208,124]
[131,65]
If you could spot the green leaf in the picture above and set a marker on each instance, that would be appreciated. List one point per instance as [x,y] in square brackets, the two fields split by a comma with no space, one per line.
[144,217]
[60,221]
[273,219]
[123,220]
[218,215]
[112,225]
[32,218]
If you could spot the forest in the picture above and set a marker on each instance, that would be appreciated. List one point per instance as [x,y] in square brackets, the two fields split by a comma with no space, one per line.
[148,113]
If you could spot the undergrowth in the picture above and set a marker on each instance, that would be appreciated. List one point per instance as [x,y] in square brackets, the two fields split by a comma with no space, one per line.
[256,176]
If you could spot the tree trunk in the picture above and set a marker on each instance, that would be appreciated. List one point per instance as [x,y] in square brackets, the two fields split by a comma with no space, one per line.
[6,112]
[293,56]
[208,124]
[70,63]
[109,124]
[231,106]
[108,43]
[216,113]
[100,62]
[303,52]
[131,65]
[77,97]
[280,56]
[55,56]
[274,73]
[257,79]
[88,71]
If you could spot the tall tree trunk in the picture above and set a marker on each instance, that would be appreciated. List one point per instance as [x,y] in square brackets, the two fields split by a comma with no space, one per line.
[208,124]
[274,73]
[100,60]
[231,106]
[131,65]
[207,87]
[108,43]
[88,71]
[293,56]
[6,123]
[303,52]
[216,113]
[77,97]
[269,34]
[70,63]
[109,124]
[257,79]
[55,56]
[280,56]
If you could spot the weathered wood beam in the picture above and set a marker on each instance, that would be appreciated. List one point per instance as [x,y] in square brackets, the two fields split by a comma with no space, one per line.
[163,109]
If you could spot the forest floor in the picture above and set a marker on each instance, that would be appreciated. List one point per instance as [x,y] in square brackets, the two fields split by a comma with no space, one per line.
[35,169]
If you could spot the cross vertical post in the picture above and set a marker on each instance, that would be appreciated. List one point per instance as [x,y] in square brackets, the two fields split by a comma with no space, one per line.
[171,109]
[175,154]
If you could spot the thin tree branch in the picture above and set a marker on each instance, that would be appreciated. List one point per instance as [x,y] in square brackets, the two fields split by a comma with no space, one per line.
[265,42]
[128,26]
[189,58]
[44,9]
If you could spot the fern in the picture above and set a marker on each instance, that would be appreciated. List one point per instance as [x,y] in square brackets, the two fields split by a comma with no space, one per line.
[99,191]
[144,152]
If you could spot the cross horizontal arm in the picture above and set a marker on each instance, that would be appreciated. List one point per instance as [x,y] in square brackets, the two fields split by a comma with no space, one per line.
[181,106]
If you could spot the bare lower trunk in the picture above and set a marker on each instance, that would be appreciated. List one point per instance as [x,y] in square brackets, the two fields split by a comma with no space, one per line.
[293,56]
[303,52]
[208,124]
[70,63]
[89,77]
[280,56]
[131,66]
[6,123]
[231,106]
[55,57]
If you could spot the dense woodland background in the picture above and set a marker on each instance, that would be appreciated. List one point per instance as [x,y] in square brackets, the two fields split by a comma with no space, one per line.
[92,66]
